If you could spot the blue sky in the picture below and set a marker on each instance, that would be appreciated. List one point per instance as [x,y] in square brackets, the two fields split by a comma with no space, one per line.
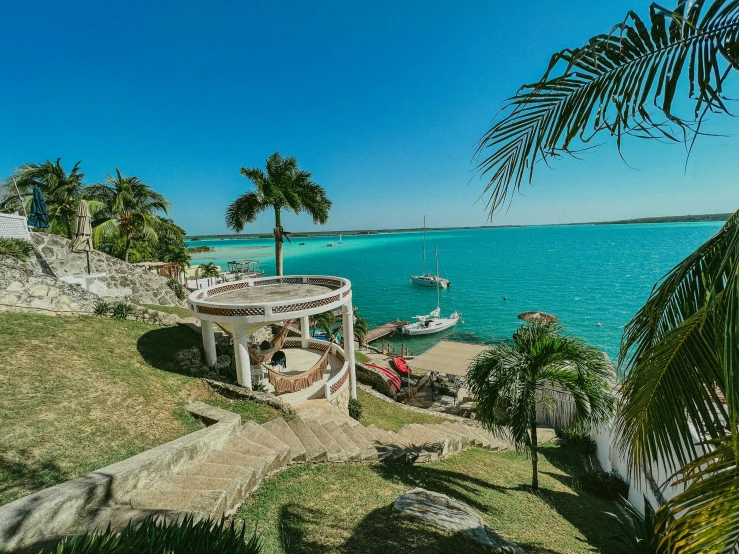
[382,101]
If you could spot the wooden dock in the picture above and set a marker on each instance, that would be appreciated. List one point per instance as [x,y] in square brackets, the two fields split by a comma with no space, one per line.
[384,330]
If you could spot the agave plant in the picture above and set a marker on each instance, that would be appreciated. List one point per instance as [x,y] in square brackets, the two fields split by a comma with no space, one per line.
[681,351]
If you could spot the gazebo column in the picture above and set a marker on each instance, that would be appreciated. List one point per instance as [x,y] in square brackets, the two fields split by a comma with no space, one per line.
[304,331]
[209,342]
[241,349]
[347,325]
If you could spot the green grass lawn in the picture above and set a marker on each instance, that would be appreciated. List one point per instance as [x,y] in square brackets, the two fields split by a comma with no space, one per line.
[177,310]
[325,508]
[362,357]
[79,393]
[389,416]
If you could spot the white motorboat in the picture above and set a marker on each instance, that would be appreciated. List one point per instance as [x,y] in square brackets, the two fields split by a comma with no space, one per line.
[432,323]
[426,279]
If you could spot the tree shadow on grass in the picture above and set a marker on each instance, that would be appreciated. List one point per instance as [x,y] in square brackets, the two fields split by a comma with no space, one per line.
[23,474]
[162,348]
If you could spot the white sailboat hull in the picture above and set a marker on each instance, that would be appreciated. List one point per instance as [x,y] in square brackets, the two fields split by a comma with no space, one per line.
[431,325]
[430,281]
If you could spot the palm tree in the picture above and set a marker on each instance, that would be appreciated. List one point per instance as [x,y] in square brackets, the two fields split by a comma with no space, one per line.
[62,190]
[209,270]
[360,328]
[182,259]
[329,324]
[281,187]
[679,352]
[508,381]
[129,207]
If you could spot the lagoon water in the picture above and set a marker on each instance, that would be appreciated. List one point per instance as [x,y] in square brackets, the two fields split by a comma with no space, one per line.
[584,274]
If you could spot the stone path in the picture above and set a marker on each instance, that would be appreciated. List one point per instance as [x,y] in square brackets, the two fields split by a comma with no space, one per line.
[217,483]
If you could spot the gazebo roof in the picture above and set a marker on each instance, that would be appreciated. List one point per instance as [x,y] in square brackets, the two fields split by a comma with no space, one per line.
[270,299]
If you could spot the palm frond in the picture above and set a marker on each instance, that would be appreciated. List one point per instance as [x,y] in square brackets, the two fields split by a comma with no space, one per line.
[677,353]
[620,83]
[243,210]
[705,518]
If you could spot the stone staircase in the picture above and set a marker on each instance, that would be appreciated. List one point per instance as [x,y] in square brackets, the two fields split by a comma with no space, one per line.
[216,484]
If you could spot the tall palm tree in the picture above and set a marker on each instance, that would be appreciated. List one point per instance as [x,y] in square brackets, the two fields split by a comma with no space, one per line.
[360,328]
[129,207]
[62,190]
[209,270]
[680,351]
[281,187]
[508,381]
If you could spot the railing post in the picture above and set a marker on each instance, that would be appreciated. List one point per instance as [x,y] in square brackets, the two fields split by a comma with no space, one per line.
[347,329]
[304,331]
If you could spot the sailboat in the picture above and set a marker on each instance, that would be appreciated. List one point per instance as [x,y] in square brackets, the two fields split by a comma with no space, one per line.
[432,323]
[426,279]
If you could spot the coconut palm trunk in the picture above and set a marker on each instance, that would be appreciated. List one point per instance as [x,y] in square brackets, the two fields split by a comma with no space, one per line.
[534,451]
[278,232]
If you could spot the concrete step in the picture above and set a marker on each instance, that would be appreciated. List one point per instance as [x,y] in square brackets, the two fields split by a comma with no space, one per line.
[282,432]
[211,503]
[368,452]
[353,452]
[488,440]
[236,489]
[221,471]
[241,445]
[421,444]
[334,449]
[380,435]
[119,516]
[314,449]
[255,433]
[466,431]
[257,463]
[384,444]
[362,430]
[454,441]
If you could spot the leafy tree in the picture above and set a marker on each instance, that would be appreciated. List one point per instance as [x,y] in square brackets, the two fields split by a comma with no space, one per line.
[509,380]
[331,324]
[209,270]
[281,187]
[129,207]
[681,350]
[62,191]
[360,328]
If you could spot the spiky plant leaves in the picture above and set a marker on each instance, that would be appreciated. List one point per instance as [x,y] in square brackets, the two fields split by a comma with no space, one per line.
[155,536]
[621,83]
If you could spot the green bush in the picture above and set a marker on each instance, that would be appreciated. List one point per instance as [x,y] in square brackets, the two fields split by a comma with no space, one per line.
[122,310]
[258,386]
[16,248]
[355,409]
[101,308]
[155,537]
[601,483]
[177,288]
[577,439]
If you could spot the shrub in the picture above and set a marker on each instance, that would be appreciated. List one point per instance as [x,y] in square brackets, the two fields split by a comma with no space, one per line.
[640,533]
[258,386]
[101,308]
[355,409]
[577,439]
[16,248]
[122,310]
[601,483]
[177,288]
[155,537]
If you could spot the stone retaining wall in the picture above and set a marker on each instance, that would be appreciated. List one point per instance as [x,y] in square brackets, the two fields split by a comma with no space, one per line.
[25,287]
[375,379]
[147,287]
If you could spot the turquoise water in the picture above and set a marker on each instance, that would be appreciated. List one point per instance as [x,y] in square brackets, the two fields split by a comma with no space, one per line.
[584,274]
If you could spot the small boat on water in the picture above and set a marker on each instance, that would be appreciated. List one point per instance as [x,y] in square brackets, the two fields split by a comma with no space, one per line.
[331,244]
[432,323]
[426,279]
[303,243]
[400,365]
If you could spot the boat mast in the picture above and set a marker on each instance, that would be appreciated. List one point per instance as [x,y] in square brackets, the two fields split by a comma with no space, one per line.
[438,287]
[423,263]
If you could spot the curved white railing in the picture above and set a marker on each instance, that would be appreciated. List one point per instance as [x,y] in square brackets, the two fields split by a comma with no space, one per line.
[204,302]
[334,384]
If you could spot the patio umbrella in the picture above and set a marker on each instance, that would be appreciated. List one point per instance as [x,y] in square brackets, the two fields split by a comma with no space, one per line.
[83,232]
[38,217]
[537,317]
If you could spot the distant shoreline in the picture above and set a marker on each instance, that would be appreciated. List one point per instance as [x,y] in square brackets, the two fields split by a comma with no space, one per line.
[664,219]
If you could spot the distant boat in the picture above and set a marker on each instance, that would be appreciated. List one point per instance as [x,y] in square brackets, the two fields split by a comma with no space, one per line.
[331,244]
[428,280]
[432,323]
[303,243]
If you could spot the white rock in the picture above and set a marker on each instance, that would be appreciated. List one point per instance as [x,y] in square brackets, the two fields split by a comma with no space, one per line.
[452,516]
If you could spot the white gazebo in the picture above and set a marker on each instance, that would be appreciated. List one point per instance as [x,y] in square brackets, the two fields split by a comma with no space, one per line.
[243,307]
